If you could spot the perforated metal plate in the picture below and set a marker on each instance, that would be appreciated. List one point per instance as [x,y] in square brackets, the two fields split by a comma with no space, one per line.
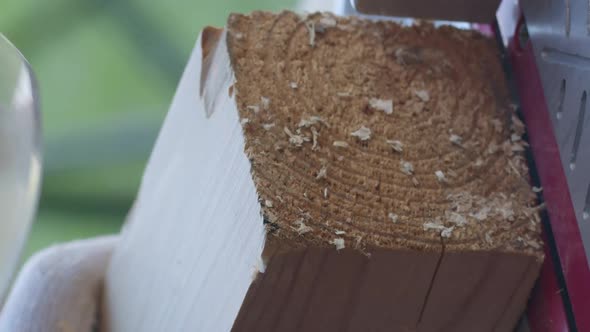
[560,34]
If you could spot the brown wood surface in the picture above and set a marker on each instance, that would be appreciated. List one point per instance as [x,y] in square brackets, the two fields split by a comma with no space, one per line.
[325,290]
[390,168]
[479,291]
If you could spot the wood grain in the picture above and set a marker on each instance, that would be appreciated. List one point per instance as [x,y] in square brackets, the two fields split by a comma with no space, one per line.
[430,198]
[376,171]
[451,113]
[325,290]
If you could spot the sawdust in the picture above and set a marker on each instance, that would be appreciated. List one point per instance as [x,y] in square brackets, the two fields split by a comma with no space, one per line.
[268,126]
[322,173]
[340,144]
[363,133]
[295,139]
[393,217]
[396,145]
[423,95]
[456,139]
[339,243]
[384,105]
[440,176]
[432,89]
[406,167]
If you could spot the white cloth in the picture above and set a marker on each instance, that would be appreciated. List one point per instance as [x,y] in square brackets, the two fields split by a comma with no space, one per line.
[59,288]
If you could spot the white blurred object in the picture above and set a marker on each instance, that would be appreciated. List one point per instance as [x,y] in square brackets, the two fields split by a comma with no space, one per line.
[59,288]
[20,157]
[319,5]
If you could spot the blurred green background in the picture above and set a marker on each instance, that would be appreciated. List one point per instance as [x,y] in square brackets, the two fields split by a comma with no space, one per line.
[107,71]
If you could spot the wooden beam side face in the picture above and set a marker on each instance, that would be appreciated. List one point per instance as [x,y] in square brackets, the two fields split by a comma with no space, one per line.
[328,290]
[479,291]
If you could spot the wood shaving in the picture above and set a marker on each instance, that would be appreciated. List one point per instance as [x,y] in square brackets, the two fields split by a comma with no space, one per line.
[394,217]
[539,207]
[406,167]
[433,226]
[322,173]
[244,121]
[265,103]
[488,238]
[293,85]
[440,176]
[339,243]
[302,228]
[497,124]
[506,211]
[385,105]
[457,219]
[310,121]
[280,199]
[359,239]
[268,203]
[456,139]
[396,145]
[340,144]
[461,202]
[325,192]
[343,94]
[255,271]
[512,167]
[363,133]
[310,25]
[534,244]
[482,214]
[314,138]
[415,182]
[478,162]
[327,22]
[507,148]
[267,126]
[338,232]
[423,95]
[253,108]
[515,137]
[447,232]
[294,139]
[517,147]
[517,126]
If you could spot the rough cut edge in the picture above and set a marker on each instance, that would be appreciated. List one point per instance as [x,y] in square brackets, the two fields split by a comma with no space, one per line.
[216,70]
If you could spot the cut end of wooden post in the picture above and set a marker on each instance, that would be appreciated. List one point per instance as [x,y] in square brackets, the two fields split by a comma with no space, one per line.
[362,231]
[451,197]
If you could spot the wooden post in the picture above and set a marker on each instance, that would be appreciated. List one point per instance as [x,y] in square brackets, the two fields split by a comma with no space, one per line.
[365,176]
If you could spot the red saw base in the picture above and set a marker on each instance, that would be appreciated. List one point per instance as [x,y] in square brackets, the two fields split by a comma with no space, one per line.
[547,311]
